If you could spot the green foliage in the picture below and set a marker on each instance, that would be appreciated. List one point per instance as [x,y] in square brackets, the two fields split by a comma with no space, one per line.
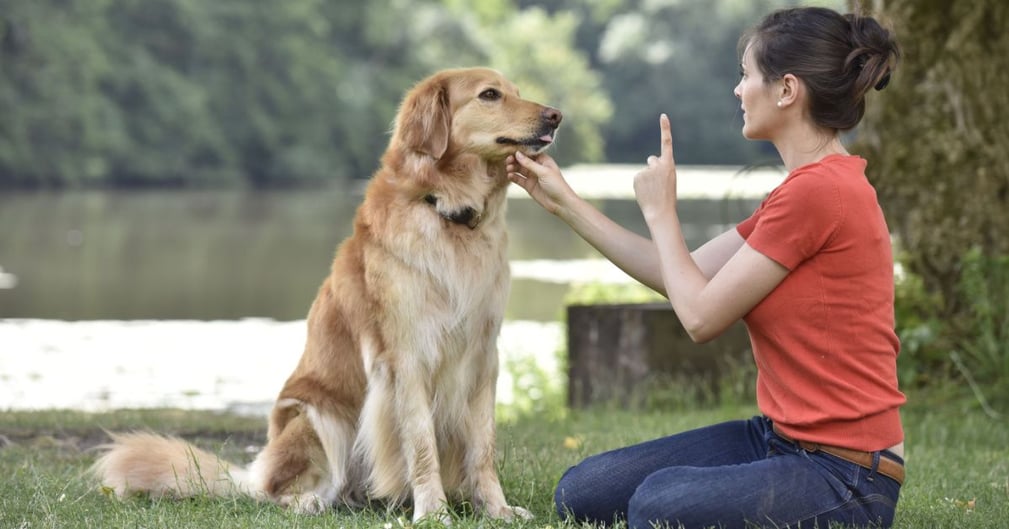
[537,390]
[51,67]
[937,143]
[597,292]
[972,348]
[982,338]
[186,92]
[922,358]
[540,56]
[189,92]
[674,57]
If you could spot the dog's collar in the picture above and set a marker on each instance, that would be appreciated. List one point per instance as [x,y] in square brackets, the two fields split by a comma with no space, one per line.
[467,216]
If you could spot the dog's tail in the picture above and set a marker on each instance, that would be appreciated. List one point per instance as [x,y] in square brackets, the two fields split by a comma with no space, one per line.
[161,466]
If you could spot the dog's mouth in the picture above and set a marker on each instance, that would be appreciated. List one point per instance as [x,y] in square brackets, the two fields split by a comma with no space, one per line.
[537,142]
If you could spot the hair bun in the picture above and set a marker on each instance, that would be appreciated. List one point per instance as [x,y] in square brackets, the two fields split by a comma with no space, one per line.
[883,82]
[874,53]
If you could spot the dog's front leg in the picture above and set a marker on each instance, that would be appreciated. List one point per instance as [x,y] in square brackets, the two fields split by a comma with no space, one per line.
[480,456]
[419,444]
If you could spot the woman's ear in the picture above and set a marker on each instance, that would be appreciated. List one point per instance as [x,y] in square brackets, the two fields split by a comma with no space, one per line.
[789,90]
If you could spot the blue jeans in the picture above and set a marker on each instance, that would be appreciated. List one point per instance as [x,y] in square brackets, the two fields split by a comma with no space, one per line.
[737,474]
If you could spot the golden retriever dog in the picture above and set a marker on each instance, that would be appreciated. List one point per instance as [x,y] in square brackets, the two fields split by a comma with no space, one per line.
[393,398]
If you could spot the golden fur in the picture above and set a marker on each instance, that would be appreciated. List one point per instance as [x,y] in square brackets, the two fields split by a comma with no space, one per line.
[393,398]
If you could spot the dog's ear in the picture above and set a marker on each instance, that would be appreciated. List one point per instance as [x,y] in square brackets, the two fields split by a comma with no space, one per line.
[425,119]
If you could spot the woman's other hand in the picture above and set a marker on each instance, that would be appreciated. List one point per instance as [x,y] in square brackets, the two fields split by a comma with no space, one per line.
[655,186]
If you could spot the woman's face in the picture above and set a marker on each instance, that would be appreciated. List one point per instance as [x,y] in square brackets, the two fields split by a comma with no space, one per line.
[761,114]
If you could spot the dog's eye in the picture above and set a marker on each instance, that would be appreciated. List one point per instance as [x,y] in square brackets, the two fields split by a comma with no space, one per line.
[490,94]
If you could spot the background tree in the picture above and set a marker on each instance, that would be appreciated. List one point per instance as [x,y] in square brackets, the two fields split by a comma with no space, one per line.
[537,50]
[938,139]
[674,57]
[186,92]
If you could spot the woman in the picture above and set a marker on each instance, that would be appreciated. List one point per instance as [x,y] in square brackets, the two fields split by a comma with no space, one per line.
[811,274]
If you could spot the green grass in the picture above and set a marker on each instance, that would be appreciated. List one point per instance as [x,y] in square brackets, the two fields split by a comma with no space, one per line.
[958,468]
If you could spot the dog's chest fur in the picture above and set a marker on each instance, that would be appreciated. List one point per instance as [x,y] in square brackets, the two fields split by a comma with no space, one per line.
[448,281]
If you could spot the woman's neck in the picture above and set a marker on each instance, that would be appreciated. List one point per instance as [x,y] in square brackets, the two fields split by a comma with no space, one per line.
[805,145]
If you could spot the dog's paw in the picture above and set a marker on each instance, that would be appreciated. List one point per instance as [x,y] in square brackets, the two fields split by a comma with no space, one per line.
[509,512]
[435,517]
[311,504]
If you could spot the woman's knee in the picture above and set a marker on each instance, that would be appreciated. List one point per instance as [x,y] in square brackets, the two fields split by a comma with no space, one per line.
[664,498]
[643,507]
[566,495]
[583,493]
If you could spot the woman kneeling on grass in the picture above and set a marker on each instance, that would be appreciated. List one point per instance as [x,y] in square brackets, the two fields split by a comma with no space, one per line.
[811,274]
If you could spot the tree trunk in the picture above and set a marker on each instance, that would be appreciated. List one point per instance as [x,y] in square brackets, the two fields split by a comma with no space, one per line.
[617,353]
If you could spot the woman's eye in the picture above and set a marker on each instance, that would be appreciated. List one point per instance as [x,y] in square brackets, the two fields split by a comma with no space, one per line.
[490,94]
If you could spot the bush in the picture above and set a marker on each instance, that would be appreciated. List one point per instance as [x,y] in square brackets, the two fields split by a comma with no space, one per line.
[981,347]
[922,356]
[972,348]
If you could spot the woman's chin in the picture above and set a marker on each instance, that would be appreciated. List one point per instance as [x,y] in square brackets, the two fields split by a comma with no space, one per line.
[751,134]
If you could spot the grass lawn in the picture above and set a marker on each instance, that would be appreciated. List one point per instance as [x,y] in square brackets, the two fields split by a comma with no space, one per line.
[958,468]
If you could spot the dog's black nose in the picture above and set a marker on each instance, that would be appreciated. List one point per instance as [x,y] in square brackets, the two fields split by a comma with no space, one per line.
[551,116]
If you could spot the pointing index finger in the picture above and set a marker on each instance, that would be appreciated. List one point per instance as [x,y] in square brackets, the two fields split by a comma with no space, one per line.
[667,137]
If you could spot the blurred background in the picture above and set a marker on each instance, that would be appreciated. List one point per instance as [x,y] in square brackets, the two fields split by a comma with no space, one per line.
[193,159]
[200,160]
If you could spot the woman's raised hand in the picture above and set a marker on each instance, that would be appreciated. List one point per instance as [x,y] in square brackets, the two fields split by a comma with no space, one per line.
[655,185]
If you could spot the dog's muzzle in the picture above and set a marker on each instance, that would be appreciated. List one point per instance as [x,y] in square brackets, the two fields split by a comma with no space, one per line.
[550,119]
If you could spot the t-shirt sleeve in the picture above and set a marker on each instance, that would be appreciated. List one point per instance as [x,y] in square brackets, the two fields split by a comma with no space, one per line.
[795,221]
[745,228]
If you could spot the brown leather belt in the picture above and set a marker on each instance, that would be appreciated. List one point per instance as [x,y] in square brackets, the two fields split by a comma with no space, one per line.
[888,467]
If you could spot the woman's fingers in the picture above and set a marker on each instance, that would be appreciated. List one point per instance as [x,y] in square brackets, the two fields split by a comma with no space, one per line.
[666,136]
[529,163]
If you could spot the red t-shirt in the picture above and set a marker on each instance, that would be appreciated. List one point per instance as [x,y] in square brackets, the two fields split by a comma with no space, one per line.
[823,339]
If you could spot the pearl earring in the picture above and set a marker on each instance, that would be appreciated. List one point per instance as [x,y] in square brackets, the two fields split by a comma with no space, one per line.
[779,103]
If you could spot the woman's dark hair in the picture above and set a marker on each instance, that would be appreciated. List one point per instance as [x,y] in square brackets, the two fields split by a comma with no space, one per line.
[838,57]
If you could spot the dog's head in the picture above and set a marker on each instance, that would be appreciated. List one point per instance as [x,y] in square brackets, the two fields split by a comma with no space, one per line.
[472,111]
[451,137]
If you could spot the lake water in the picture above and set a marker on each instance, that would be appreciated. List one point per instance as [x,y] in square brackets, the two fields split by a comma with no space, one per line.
[234,254]
[98,288]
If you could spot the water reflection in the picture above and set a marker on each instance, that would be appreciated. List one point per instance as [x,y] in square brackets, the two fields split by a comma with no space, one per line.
[209,255]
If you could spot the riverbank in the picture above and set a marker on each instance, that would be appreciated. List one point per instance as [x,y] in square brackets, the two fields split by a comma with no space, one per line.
[230,365]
